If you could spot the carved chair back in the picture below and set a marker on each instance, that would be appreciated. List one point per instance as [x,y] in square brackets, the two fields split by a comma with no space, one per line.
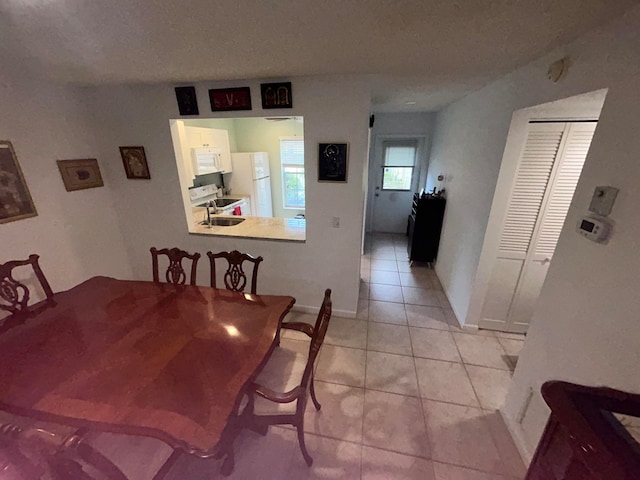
[175,273]
[300,393]
[317,338]
[15,295]
[235,278]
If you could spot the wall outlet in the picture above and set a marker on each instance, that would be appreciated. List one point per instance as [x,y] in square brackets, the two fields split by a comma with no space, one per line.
[335,223]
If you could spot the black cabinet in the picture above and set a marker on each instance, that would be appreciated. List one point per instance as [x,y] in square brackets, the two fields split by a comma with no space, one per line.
[425,225]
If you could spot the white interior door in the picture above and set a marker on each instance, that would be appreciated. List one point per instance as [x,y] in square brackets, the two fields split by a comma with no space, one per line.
[545,182]
[396,181]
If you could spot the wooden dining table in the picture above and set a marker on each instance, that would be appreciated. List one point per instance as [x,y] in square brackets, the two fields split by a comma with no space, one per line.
[141,358]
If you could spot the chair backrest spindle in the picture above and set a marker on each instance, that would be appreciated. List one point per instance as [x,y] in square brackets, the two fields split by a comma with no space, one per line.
[14,294]
[175,271]
[235,278]
[317,338]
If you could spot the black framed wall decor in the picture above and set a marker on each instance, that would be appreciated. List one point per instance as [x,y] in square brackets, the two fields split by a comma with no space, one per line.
[187,100]
[332,162]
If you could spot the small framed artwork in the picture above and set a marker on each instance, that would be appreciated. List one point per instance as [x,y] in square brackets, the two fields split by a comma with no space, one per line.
[332,162]
[225,99]
[15,200]
[135,162]
[276,95]
[80,174]
[187,100]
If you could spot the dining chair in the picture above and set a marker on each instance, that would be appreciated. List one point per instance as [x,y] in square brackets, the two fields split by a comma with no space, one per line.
[283,381]
[29,453]
[235,278]
[175,272]
[14,294]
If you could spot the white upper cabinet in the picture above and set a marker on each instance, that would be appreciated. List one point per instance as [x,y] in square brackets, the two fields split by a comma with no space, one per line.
[200,137]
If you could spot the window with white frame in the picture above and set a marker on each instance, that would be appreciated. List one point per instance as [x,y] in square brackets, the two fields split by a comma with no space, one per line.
[399,163]
[292,160]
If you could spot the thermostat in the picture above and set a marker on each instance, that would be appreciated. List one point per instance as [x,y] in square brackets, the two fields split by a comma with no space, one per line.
[594,229]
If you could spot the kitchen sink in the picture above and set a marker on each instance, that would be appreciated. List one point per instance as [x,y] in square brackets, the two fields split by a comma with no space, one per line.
[223,221]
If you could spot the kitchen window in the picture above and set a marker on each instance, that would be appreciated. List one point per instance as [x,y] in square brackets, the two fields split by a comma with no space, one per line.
[399,163]
[292,159]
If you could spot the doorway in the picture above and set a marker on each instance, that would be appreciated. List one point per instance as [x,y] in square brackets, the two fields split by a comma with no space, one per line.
[394,173]
[545,151]
[547,176]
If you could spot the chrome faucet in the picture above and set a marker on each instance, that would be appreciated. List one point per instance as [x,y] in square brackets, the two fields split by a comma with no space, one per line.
[211,204]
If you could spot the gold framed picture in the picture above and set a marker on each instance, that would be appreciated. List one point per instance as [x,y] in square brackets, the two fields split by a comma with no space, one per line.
[80,174]
[15,200]
[135,162]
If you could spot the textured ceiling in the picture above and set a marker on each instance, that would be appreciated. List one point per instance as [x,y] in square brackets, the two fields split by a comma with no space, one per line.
[428,51]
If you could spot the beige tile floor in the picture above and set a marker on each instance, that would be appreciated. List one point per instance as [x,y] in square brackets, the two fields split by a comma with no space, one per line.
[406,393]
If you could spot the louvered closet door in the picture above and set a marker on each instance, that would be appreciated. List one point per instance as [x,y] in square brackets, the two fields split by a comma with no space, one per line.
[545,181]
[555,206]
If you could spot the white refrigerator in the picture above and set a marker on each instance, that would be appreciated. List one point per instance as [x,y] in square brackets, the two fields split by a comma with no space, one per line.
[251,176]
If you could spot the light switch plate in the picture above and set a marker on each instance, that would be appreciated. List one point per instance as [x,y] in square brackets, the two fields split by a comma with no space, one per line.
[603,200]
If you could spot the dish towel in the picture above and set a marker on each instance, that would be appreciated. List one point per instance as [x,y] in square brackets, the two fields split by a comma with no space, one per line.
[237,211]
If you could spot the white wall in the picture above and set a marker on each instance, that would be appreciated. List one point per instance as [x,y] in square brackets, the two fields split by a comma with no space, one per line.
[585,329]
[402,125]
[76,233]
[151,212]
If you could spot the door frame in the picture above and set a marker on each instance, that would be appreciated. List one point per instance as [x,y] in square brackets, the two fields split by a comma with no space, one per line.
[374,157]
[515,141]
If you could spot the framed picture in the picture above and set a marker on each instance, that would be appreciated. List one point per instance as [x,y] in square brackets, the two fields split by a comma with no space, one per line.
[332,162]
[15,200]
[135,162]
[187,100]
[276,95]
[225,99]
[80,174]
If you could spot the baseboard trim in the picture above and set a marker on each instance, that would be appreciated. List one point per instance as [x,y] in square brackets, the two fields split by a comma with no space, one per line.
[315,310]
[455,315]
[518,439]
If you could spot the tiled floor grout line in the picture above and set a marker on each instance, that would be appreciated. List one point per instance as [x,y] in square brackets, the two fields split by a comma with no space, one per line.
[420,399]
[363,444]
[467,372]
[385,244]
[412,355]
[364,392]
[419,396]
[448,402]
[506,354]
[485,421]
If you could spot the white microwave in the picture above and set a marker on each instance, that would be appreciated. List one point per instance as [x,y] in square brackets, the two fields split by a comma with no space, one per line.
[206,160]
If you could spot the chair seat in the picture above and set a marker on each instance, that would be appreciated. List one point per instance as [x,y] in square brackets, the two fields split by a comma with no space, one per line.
[288,379]
[281,374]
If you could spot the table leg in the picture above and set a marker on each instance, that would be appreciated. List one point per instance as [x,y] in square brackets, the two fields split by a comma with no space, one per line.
[228,464]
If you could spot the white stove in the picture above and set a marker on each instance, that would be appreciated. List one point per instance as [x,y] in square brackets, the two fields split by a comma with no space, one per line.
[203,196]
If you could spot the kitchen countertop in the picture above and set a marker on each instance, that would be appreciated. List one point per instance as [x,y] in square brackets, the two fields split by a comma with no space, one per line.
[270,228]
